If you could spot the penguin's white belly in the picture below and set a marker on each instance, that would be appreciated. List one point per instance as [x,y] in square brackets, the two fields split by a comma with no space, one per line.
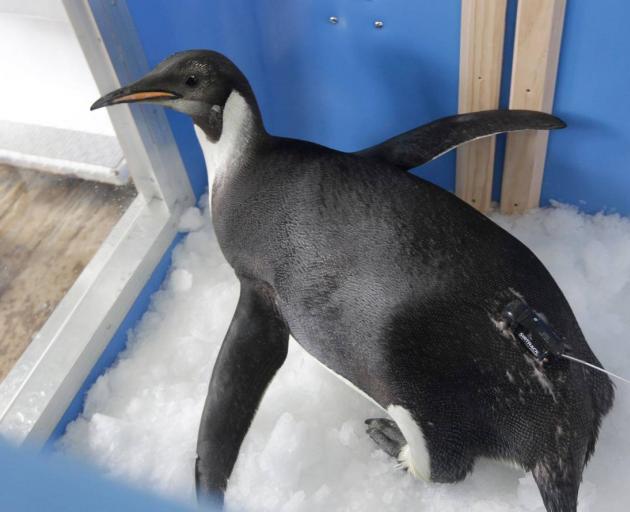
[224,155]
[414,456]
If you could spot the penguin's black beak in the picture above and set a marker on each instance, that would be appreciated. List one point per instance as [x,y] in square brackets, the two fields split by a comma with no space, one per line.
[132,94]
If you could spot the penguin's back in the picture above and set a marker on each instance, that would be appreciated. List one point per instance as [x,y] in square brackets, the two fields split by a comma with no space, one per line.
[398,286]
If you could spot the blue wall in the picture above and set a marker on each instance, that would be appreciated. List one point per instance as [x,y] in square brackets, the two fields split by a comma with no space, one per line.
[31,482]
[588,164]
[350,85]
[338,85]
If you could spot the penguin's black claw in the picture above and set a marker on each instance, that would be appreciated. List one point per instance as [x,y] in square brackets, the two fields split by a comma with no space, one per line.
[386,435]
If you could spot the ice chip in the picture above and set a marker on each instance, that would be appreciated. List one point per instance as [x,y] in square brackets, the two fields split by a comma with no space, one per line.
[191,220]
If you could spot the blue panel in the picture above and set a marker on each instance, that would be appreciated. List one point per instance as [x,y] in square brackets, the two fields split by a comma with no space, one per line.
[348,85]
[33,483]
[344,85]
[588,163]
[118,341]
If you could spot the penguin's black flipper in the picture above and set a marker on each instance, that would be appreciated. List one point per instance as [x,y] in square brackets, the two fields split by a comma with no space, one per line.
[254,347]
[422,144]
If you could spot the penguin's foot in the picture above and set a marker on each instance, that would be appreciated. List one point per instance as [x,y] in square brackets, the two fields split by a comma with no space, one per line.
[386,435]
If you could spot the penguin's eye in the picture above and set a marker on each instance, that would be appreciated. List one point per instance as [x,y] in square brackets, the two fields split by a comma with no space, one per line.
[191,81]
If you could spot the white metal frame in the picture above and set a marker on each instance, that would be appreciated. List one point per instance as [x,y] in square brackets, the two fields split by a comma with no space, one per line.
[38,390]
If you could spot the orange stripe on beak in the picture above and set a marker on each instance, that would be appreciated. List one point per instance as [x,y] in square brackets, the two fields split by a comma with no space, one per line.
[139,96]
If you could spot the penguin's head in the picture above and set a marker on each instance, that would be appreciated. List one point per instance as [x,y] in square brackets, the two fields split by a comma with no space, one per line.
[195,82]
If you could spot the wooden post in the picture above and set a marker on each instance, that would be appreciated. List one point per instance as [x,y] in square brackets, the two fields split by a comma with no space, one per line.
[481,56]
[536,52]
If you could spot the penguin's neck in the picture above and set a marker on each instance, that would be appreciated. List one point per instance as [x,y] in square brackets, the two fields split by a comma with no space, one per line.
[241,130]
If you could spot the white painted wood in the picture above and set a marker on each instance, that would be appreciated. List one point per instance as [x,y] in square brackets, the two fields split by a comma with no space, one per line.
[143,131]
[36,393]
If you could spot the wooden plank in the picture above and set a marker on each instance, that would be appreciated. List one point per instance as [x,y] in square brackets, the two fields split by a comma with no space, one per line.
[50,227]
[481,56]
[536,52]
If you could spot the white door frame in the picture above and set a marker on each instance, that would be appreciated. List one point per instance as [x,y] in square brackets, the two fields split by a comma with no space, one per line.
[49,374]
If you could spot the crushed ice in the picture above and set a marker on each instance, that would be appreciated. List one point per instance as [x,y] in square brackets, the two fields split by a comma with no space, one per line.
[307,449]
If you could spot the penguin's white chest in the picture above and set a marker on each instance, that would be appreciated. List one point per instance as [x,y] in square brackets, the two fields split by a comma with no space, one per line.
[224,156]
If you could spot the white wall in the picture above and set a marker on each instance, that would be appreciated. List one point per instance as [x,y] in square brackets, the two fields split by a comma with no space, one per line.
[47,9]
[45,80]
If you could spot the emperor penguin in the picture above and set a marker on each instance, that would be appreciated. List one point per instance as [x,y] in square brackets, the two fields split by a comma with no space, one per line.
[394,284]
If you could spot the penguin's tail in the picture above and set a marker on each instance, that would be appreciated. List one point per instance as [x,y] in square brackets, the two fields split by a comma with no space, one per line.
[422,144]
[602,396]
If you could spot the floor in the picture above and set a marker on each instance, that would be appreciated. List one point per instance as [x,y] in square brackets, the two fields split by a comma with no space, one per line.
[50,226]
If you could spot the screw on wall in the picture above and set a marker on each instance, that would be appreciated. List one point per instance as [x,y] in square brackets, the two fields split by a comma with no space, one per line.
[333,20]
[378,24]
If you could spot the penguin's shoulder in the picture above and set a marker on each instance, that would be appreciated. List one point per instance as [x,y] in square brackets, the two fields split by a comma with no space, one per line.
[310,158]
